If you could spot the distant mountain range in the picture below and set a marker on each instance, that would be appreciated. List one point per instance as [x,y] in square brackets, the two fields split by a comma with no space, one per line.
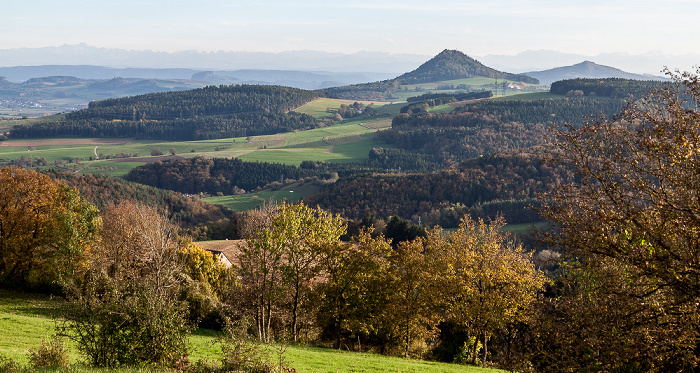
[586,69]
[531,60]
[297,79]
[83,54]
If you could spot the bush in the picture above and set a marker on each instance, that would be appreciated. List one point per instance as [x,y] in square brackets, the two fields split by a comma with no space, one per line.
[156,152]
[49,354]
[116,324]
[8,365]
[243,353]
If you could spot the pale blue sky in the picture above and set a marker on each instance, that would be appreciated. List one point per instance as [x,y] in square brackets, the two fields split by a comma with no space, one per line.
[419,27]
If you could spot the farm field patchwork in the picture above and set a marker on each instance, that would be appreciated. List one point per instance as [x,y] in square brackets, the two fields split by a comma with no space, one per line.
[411,90]
[348,141]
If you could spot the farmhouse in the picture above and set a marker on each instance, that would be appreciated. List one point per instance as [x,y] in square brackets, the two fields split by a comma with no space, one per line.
[225,251]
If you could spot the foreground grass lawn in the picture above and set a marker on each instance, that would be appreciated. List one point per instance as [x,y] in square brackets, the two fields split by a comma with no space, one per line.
[311,359]
[27,318]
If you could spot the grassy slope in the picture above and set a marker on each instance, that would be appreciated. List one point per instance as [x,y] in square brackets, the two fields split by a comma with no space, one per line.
[26,318]
[291,192]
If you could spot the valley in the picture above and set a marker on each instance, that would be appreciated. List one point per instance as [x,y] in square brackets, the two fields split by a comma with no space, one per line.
[416,216]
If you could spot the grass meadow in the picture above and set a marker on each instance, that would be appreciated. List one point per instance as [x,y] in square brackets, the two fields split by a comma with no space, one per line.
[25,319]
[348,141]
[290,192]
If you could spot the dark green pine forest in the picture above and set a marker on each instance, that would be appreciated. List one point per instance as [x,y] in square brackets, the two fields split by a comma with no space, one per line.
[199,114]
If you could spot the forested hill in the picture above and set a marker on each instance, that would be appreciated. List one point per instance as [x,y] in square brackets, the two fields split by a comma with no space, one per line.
[589,70]
[211,100]
[453,64]
[486,187]
[205,113]
[102,191]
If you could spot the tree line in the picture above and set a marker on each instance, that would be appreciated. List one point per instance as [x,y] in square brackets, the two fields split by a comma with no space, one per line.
[544,111]
[207,101]
[607,87]
[235,176]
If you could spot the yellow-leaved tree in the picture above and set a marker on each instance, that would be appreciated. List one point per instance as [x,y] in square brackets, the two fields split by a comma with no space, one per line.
[487,281]
[281,259]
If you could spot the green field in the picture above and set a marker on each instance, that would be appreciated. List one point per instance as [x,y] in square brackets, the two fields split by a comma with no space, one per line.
[478,83]
[291,192]
[525,227]
[25,319]
[348,141]
[528,96]
[326,107]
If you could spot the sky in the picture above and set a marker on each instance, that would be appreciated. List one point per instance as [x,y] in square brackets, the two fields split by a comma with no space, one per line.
[504,27]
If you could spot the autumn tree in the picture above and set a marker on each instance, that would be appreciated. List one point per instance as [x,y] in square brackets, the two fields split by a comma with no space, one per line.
[633,214]
[304,231]
[206,281]
[355,294]
[415,301]
[129,311]
[487,280]
[281,258]
[45,229]
[260,262]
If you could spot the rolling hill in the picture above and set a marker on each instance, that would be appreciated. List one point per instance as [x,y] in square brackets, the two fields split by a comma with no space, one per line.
[586,69]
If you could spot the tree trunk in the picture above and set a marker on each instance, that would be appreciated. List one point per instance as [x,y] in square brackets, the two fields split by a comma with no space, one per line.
[483,362]
[407,341]
[294,310]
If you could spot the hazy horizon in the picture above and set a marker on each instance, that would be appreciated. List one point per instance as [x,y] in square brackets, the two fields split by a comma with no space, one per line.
[309,60]
[481,28]
[499,31]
